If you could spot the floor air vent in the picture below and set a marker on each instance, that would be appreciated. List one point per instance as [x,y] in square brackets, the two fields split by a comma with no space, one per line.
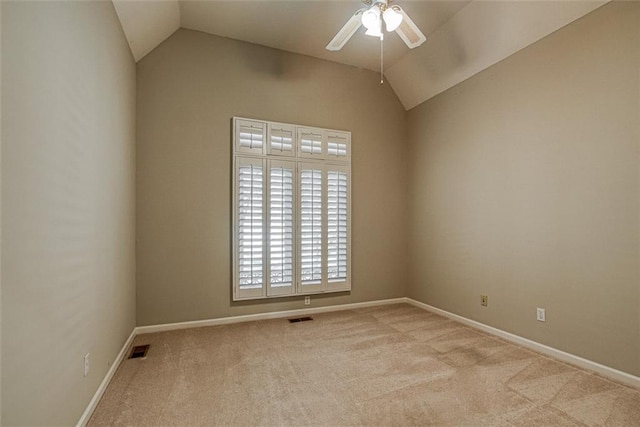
[139,351]
[300,319]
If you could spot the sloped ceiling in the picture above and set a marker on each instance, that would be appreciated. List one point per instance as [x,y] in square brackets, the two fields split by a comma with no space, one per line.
[463,37]
[147,23]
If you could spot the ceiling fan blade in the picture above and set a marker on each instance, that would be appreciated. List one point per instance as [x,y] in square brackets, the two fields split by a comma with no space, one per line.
[409,31]
[346,32]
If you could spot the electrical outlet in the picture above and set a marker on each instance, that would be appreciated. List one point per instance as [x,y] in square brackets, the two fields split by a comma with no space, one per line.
[484,300]
[541,315]
[307,300]
[86,364]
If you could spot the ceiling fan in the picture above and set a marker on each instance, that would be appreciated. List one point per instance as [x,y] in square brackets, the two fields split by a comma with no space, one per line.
[372,17]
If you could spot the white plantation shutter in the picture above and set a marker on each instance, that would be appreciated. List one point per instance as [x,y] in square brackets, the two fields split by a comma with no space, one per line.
[250,136]
[250,227]
[311,143]
[338,145]
[281,139]
[310,223]
[338,217]
[291,210]
[280,220]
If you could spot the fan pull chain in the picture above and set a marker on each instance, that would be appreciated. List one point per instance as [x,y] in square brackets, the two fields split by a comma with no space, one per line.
[381,58]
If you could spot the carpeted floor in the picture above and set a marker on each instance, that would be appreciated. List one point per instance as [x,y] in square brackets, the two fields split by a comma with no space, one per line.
[388,365]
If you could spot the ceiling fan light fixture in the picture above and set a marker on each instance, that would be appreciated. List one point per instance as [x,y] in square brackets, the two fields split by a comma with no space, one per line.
[392,18]
[375,31]
[371,18]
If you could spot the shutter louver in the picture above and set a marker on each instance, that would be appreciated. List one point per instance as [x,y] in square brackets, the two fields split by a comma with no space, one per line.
[310,142]
[250,136]
[337,225]
[281,227]
[281,139]
[310,225]
[338,145]
[250,226]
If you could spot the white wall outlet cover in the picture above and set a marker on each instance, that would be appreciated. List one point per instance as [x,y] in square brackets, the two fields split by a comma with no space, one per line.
[541,315]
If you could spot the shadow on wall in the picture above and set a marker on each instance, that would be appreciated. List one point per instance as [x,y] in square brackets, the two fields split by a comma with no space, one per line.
[276,63]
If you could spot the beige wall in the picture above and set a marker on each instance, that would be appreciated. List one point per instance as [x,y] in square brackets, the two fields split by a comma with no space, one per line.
[189,88]
[68,266]
[524,185]
[0,214]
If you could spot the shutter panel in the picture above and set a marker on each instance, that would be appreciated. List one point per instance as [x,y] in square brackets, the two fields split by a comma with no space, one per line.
[311,230]
[250,228]
[311,143]
[338,145]
[281,139]
[250,136]
[281,212]
[338,227]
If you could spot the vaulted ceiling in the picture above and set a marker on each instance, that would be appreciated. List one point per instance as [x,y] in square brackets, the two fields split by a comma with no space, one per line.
[463,37]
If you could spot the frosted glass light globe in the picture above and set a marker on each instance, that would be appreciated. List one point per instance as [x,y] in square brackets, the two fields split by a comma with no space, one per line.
[392,19]
[371,18]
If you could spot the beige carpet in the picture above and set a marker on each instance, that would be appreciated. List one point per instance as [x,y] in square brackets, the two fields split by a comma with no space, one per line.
[388,365]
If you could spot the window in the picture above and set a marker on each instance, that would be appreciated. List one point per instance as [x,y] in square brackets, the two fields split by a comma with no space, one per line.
[291,210]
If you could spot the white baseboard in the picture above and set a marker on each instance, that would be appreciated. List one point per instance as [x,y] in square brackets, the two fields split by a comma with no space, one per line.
[93,403]
[263,316]
[572,359]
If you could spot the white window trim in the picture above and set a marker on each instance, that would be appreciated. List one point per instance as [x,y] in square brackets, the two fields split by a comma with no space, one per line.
[268,157]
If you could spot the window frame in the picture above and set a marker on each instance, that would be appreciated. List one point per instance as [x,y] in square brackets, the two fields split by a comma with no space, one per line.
[268,159]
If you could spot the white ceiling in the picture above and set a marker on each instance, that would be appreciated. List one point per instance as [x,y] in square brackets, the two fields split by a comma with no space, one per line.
[463,37]
[147,23]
